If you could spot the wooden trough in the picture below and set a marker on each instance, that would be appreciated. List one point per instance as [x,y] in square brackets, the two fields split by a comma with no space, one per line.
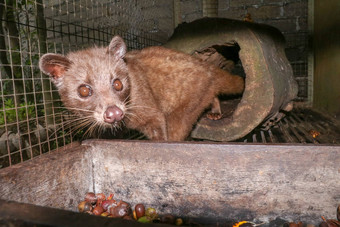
[270,86]
[207,182]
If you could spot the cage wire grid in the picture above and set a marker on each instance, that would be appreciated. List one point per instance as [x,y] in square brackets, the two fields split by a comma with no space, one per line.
[32,120]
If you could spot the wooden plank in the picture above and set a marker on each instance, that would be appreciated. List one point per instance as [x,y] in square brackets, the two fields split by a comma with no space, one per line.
[222,181]
[200,180]
[56,180]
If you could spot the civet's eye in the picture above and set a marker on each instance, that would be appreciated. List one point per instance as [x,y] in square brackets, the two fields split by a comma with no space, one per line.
[84,91]
[117,85]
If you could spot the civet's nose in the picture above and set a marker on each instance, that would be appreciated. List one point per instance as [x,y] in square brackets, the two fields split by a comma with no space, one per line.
[113,114]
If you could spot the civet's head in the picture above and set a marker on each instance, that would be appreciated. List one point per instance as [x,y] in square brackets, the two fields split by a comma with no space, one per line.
[92,83]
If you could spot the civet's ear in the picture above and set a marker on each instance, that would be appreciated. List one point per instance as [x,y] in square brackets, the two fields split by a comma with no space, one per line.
[117,47]
[54,65]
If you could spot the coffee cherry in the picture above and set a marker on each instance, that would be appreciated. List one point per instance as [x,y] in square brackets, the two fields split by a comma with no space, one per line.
[107,203]
[98,210]
[151,212]
[179,221]
[168,219]
[145,219]
[122,209]
[105,214]
[91,197]
[84,206]
[140,210]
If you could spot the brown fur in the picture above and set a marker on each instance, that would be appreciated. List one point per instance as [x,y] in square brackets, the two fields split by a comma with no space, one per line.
[164,93]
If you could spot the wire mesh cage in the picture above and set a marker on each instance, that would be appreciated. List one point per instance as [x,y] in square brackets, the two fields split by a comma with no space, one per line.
[32,118]
[31,114]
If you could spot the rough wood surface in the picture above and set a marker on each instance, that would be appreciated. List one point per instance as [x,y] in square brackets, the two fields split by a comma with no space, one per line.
[57,179]
[270,85]
[222,181]
[207,181]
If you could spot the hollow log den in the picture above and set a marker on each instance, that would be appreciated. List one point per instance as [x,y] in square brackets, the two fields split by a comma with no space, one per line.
[270,85]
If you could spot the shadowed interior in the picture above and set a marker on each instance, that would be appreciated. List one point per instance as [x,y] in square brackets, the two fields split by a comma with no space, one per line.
[227,58]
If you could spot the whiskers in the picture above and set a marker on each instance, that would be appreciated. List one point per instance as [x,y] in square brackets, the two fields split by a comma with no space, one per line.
[80,124]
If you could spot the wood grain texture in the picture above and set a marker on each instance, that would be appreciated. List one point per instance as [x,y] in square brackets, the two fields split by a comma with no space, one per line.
[222,181]
[56,180]
[199,180]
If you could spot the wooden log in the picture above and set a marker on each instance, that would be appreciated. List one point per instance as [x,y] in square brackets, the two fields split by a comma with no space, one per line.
[205,181]
[270,85]
[56,180]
